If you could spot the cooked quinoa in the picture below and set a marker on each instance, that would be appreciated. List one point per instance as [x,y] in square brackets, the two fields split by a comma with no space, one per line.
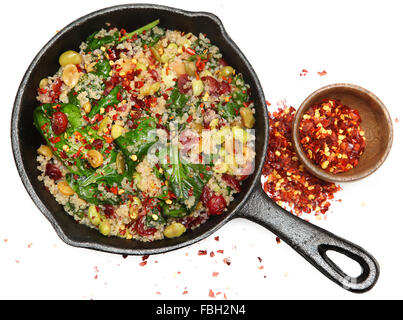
[147,133]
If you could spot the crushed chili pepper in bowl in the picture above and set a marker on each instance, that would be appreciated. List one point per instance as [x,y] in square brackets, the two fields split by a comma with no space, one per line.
[342,132]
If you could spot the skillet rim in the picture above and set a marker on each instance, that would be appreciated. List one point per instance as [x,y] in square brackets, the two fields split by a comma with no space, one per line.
[16,141]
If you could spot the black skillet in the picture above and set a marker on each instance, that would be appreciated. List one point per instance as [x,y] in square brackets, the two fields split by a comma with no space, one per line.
[308,240]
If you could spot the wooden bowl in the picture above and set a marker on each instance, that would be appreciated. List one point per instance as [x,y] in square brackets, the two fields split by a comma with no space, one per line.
[376,123]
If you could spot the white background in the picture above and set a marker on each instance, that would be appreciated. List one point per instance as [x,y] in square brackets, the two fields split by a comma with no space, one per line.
[354,41]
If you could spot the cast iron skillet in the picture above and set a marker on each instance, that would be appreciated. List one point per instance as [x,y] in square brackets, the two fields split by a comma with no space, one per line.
[308,240]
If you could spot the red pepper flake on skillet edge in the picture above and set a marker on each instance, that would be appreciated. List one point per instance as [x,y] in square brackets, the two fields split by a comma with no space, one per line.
[286,180]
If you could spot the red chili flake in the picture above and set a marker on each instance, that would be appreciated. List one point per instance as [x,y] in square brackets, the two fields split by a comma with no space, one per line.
[287,180]
[227,261]
[215,274]
[212,254]
[331,136]
[220,251]
[396,120]
[260,267]
[144,258]
[211,294]
[124,256]
[190,51]
[202,252]
[260,259]
[142,264]
[217,238]
[29,245]
[303,72]
[322,73]
[278,240]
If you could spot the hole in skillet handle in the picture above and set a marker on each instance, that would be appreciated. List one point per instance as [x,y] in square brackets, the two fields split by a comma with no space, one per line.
[325,250]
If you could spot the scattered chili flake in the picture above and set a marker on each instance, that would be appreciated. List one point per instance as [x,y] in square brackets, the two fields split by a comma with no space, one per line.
[260,267]
[287,182]
[220,251]
[202,252]
[304,72]
[144,258]
[278,240]
[215,274]
[124,256]
[331,136]
[142,264]
[212,254]
[185,292]
[227,261]
[217,238]
[211,294]
[396,120]
[322,73]
[260,259]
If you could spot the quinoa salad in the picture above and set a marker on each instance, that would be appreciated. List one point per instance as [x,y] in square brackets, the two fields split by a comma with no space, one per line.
[146,134]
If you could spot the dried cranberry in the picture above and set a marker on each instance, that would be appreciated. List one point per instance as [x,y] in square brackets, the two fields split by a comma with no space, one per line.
[109,210]
[155,75]
[97,144]
[212,84]
[206,195]
[183,83]
[232,182]
[216,204]
[56,89]
[142,230]
[223,62]
[139,103]
[53,172]
[59,122]
[114,53]
[224,88]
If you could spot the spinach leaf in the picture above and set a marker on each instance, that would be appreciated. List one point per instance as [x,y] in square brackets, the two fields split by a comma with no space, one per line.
[137,142]
[72,96]
[229,110]
[102,68]
[94,43]
[89,193]
[108,100]
[154,219]
[68,147]
[185,180]
[238,97]
[177,102]
[73,114]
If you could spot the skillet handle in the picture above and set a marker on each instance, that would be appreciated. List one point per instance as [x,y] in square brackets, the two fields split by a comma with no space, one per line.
[312,242]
